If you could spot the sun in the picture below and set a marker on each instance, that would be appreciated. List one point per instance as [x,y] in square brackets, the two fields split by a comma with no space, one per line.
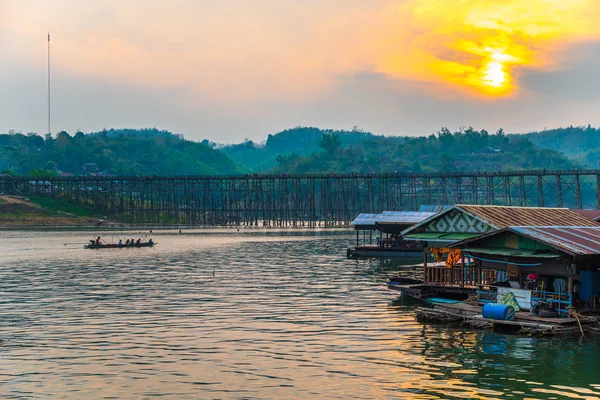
[494,74]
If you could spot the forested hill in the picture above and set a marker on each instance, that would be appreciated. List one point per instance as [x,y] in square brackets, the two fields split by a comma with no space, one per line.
[114,152]
[298,150]
[462,151]
[302,141]
[580,143]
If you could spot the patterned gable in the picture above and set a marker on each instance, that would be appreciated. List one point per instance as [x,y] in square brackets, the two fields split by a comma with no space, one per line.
[457,222]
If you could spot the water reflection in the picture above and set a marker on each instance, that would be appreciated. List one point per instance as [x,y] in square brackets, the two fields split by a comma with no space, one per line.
[285,315]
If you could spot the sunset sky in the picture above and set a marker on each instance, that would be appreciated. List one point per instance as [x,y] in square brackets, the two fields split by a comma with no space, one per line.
[233,69]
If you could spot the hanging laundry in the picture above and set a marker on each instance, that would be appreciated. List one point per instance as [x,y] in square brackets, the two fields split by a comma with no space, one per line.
[436,253]
[453,258]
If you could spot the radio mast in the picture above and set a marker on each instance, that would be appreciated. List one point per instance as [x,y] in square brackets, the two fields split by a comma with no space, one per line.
[49,131]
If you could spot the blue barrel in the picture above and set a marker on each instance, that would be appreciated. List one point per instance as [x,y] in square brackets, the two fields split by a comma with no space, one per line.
[498,311]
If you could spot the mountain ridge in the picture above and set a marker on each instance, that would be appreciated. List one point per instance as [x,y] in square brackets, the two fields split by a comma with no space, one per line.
[297,150]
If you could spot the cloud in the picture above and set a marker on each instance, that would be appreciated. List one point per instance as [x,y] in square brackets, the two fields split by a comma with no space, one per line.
[477,44]
[577,79]
[392,106]
[234,69]
[234,52]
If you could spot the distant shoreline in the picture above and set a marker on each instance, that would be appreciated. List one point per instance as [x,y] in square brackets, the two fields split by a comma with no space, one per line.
[126,227]
[29,213]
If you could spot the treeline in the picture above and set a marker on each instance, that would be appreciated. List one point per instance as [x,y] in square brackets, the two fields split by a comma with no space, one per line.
[578,142]
[114,152]
[445,151]
[297,150]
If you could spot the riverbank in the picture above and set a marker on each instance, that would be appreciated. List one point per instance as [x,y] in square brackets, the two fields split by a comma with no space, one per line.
[18,211]
[36,212]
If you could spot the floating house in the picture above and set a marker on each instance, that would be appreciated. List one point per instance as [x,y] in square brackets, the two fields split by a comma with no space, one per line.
[387,228]
[458,274]
[559,264]
[548,281]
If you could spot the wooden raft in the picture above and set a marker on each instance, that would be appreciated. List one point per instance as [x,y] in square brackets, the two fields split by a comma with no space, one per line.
[470,316]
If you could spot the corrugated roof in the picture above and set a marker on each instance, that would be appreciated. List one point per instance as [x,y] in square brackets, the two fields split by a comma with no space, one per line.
[403,217]
[591,214]
[574,240]
[503,216]
[365,219]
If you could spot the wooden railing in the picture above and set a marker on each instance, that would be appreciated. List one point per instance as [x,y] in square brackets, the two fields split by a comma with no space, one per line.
[459,276]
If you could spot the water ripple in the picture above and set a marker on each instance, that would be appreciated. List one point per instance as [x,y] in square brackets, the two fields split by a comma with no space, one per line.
[255,314]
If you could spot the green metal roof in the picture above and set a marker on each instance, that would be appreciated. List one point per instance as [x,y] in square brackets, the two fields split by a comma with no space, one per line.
[440,236]
[460,236]
[425,235]
[511,252]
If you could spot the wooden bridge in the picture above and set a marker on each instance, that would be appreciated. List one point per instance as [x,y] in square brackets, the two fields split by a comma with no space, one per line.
[305,200]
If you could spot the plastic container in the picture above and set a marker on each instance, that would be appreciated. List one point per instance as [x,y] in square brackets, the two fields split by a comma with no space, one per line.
[498,311]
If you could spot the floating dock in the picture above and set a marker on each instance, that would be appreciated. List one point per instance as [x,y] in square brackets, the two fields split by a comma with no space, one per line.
[469,315]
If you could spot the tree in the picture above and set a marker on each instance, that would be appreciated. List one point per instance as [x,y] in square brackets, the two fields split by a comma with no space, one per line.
[330,142]
[41,173]
[447,163]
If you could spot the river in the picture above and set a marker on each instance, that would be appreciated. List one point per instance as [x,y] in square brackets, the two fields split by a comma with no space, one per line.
[261,314]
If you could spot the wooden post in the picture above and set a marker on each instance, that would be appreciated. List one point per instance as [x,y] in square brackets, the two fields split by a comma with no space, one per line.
[559,195]
[462,281]
[570,287]
[522,191]
[540,190]
[458,191]
[508,198]
[578,202]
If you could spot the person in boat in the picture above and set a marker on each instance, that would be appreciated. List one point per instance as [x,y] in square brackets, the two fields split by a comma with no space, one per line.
[120,243]
[98,240]
[150,241]
[127,242]
[138,242]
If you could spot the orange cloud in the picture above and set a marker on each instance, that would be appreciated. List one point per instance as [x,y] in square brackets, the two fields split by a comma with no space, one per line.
[238,52]
[478,45]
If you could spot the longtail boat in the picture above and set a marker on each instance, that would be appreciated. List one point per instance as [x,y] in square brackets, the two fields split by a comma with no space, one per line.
[93,245]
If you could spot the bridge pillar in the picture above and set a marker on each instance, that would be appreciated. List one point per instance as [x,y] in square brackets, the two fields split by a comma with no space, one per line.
[559,194]
[578,202]
[540,190]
